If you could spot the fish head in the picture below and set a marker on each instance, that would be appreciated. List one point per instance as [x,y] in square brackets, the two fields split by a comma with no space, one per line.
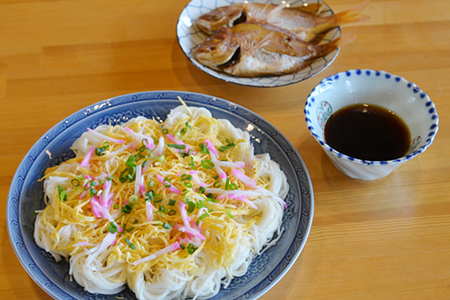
[225,16]
[218,49]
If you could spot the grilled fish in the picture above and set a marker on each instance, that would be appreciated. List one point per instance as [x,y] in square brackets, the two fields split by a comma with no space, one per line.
[251,49]
[303,24]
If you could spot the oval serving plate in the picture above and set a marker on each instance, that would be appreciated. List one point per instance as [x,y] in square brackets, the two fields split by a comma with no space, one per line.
[26,193]
[190,37]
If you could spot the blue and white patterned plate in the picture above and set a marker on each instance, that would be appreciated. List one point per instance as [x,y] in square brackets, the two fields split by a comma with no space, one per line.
[26,193]
[190,37]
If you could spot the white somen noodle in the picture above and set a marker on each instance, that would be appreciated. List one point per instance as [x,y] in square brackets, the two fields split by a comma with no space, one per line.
[173,210]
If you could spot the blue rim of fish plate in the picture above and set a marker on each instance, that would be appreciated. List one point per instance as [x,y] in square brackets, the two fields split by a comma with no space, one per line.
[412,88]
[190,37]
[26,193]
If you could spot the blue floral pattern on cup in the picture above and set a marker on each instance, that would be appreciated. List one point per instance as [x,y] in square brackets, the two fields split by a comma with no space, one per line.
[324,111]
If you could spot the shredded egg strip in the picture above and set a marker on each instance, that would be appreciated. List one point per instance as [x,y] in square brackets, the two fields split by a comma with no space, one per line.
[123,178]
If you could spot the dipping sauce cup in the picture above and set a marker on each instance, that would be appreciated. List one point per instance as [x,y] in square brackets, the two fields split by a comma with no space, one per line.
[381,89]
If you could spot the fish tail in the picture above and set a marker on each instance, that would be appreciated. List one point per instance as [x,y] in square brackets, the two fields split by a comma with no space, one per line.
[344,40]
[352,15]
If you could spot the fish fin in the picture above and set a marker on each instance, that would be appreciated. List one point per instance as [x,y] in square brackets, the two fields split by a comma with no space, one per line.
[277,9]
[345,40]
[311,8]
[325,49]
[352,15]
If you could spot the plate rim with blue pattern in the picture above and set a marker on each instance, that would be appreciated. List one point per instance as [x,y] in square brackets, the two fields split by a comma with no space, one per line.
[26,192]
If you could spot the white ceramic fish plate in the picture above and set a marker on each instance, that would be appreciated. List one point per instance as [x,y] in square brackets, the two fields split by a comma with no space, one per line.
[190,37]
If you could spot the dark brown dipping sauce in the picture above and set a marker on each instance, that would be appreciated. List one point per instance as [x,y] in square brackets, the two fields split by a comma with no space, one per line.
[368,132]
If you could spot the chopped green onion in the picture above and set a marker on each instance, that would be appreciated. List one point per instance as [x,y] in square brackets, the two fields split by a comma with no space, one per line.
[116,206]
[191,207]
[188,126]
[199,204]
[129,229]
[112,227]
[131,161]
[62,193]
[101,181]
[166,225]
[183,131]
[207,164]
[187,184]
[159,214]
[166,182]
[110,178]
[182,246]
[216,177]
[92,192]
[233,186]
[201,190]
[126,209]
[99,151]
[217,184]
[202,217]
[228,211]
[191,248]
[130,244]
[133,200]
[165,131]
[224,148]
[192,163]
[75,182]
[227,184]
[176,146]
[210,195]
[203,148]
[149,196]
[185,177]
[185,154]
[127,175]
[172,202]
[157,201]
[160,158]
[135,221]
[151,184]
[144,164]
[172,213]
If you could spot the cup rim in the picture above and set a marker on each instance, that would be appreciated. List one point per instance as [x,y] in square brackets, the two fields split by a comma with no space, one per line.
[416,90]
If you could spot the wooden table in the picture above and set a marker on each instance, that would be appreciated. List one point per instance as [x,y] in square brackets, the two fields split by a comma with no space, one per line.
[383,239]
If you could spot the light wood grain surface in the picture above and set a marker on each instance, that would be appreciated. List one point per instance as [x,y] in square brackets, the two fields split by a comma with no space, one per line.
[383,239]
